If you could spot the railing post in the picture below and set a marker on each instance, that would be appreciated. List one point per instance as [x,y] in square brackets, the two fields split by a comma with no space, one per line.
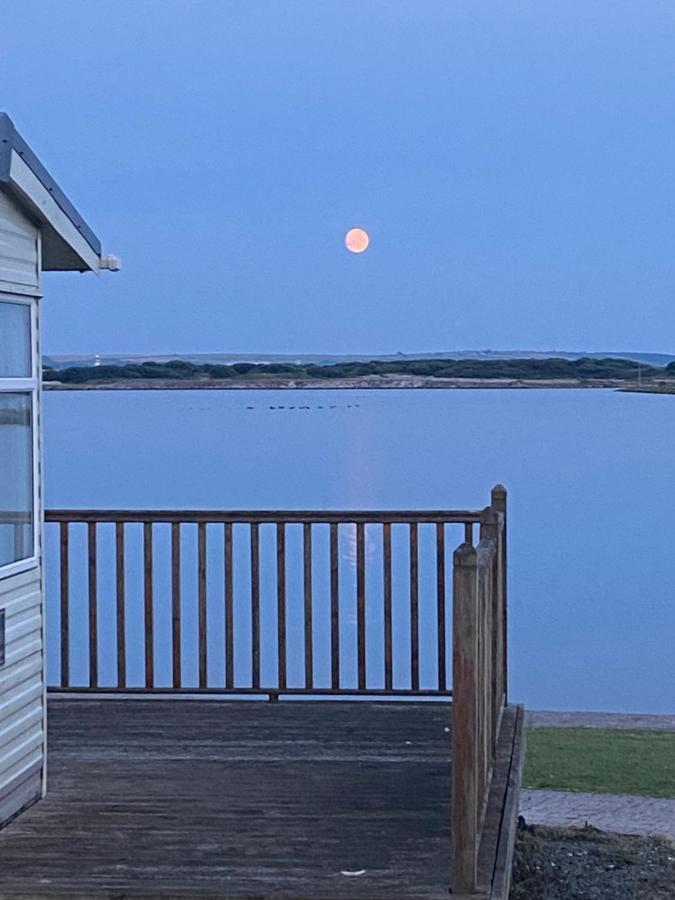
[489,531]
[499,504]
[465,800]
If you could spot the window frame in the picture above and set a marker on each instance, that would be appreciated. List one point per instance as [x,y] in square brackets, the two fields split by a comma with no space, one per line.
[27,385]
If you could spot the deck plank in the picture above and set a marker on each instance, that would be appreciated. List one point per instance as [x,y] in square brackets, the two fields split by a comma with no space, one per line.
[238,799]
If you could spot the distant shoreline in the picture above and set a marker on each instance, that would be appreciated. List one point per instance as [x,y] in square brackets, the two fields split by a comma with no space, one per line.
[650,389]
[436,374]
[366,382]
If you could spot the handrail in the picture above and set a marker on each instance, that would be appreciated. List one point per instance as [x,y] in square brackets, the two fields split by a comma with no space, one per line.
[419,516]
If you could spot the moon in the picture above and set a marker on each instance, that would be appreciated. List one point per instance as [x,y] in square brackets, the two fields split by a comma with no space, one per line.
[356,240]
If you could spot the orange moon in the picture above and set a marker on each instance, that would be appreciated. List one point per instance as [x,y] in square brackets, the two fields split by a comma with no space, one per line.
[356,240]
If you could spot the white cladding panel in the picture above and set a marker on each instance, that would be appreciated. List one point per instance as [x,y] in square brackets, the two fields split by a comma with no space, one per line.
[22,736]
[19,257]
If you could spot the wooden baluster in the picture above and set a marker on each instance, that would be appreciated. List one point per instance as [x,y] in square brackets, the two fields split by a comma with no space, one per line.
[255,604]
[229,609]
[93,604]
[499,503]
[361,604]
[468,532]
[148,606]
[386,575]
[202,604]
[281,605]
[120,597]
[65,604]
[334,607]
[440,605]
[176,648]
[414,609]
[307,573]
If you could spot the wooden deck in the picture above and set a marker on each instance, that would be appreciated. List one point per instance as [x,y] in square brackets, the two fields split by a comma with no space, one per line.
[177,798]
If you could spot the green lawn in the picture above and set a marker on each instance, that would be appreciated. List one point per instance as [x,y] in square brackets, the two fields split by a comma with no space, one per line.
[603,760]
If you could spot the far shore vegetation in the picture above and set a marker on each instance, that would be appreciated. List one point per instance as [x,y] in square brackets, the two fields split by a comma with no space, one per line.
[585,370]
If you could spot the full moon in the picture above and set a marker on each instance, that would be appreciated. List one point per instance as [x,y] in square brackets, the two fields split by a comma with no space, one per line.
[356,240]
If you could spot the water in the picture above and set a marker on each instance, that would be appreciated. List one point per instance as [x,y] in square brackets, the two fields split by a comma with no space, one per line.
[590,474]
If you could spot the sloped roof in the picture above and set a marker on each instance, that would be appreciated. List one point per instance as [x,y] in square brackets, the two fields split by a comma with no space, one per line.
[68,243]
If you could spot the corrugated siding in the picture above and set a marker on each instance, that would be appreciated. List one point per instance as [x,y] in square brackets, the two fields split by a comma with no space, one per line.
[18,247]
[21,694]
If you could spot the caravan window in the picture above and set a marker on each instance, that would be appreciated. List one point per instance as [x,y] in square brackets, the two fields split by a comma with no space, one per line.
[18,397]
[16,480]
[15,349]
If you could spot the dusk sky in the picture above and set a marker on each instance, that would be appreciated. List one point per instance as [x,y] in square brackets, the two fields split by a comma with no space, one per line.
[513,164]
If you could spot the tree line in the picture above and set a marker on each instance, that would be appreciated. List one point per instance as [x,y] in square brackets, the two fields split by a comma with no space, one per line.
[586,368]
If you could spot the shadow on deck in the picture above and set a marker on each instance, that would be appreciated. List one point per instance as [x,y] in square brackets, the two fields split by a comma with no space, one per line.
[230,799]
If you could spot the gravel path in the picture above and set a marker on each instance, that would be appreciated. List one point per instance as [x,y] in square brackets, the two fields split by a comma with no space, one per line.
[636,721]
[586,864]
[620,813]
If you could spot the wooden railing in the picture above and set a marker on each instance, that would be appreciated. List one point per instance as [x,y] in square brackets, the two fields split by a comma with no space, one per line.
[479,683]
[274,608]
[253,602]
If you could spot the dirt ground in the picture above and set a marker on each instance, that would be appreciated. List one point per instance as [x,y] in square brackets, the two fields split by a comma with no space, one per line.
[587,864]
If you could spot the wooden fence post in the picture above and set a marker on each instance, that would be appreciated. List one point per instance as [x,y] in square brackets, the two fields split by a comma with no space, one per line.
[499,504]
[490,532]
[464,805]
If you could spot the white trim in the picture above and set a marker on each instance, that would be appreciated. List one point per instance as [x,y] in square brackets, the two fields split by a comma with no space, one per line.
[37,469]
[40,201]
[17,385]
[9,287]
[39,518]
[16,568]
[37,444]
[34,343]
[27,297]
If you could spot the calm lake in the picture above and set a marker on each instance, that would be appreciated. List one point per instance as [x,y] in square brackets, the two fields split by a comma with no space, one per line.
[590,475]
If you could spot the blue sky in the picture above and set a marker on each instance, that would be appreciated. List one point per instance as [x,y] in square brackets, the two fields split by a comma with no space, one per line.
[514,163]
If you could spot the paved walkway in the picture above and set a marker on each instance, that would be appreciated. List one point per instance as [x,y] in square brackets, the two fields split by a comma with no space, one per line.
[608,812]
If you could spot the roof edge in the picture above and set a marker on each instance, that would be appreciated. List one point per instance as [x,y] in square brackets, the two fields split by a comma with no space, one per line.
[11,140]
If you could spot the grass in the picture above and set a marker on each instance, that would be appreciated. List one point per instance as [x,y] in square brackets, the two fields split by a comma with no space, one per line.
[601,760]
